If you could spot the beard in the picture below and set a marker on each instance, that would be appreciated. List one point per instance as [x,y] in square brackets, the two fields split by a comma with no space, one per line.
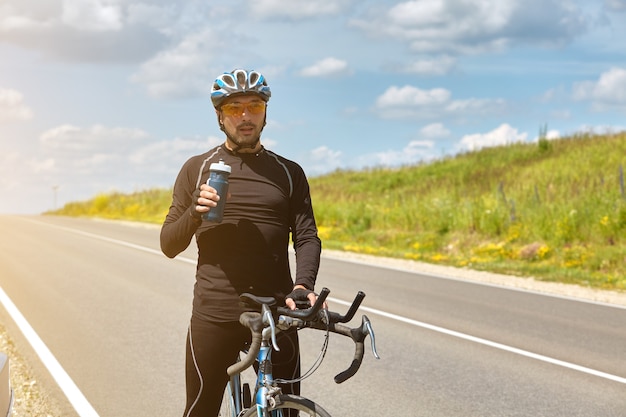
[244,136]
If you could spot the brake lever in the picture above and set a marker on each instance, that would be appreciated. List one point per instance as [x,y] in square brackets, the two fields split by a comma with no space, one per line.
[269,319]
[368,329]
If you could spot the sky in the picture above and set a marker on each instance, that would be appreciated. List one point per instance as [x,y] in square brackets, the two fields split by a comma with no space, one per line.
[100,96]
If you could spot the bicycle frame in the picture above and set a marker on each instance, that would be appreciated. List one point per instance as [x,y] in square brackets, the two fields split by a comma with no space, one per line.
[265,380]
[263,389]
[264,385]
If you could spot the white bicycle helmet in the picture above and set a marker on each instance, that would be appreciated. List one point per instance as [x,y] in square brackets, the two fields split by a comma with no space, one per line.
[239,81]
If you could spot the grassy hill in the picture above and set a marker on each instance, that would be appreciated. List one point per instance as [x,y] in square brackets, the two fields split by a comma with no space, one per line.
[555,210]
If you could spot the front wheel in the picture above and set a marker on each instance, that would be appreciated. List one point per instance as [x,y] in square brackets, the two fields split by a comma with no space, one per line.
[288,405]
[228,407]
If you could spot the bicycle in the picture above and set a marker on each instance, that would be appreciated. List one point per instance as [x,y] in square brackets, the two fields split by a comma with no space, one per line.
[269,400]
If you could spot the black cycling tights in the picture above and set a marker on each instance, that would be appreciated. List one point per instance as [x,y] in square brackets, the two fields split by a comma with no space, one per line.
[213,347]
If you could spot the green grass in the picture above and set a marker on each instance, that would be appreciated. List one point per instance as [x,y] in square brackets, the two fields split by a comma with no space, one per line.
[555,210]
[148,206]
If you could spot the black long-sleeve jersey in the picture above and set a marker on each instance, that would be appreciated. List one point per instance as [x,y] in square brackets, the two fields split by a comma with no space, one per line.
[248,252]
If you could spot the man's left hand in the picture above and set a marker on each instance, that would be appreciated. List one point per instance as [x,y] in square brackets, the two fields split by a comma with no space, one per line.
[300,293]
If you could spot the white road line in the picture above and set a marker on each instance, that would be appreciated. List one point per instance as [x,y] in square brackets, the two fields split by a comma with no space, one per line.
[473,281]
[487,343]
[100,237]
[69,388]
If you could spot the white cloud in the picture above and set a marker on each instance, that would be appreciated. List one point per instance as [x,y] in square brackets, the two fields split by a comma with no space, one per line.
[89,154]
[85,161]
[68,139]
[271,72]
[601,129]
[412,96]
[28,14]
[562,114]
[267,142]
[435,131]
[413,102]
[92,15]
[418,148]
[431,66]
[322,160]
[461,27]
[550,135]
[350,111]
[12,106]
[113,150]
[549,95]
[502,135]
[616,5]
[9,165]
[475,105]
[327,67]
[164,158]
[84,30]
[183,70]
[179,146]
[161,17]
[20,173]
[415,151]
[295,9]
[608,92]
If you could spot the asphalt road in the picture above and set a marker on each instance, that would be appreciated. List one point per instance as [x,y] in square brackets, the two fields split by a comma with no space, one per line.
[114,311]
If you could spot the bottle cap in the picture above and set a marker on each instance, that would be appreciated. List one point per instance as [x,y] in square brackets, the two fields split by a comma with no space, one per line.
[220,166]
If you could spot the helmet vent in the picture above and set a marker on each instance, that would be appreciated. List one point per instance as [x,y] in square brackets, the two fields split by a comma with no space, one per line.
[241,79]
[230,81]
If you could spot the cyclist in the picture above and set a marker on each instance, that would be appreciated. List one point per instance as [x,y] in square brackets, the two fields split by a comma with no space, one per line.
[268,201]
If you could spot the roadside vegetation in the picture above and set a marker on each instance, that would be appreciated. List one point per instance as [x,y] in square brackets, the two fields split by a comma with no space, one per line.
[553,209]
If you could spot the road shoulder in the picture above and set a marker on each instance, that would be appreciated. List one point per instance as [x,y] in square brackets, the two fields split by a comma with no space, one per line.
[529,284]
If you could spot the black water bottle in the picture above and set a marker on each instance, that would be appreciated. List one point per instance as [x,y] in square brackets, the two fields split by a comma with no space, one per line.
[218,179]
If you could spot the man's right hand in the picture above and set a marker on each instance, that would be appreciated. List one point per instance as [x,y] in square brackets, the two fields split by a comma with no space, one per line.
[202,200]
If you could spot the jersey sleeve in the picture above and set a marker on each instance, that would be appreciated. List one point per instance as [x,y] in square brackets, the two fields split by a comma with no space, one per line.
[179,226]
[306,242]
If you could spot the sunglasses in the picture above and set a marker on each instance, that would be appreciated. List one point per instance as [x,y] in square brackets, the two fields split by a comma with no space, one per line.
[237,109]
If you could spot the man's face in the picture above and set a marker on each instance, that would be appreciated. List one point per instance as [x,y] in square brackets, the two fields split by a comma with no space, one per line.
[243,118]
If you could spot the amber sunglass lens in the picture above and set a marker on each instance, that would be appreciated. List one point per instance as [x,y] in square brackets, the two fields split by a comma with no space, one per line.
[237,109]
[232,109]
[256,107]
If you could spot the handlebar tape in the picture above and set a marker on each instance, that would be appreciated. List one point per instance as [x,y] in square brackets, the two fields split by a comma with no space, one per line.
[254,322]
[354,366]
[353,308]
[358,335]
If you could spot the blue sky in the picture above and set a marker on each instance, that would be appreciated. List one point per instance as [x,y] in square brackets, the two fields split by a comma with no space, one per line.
[113,95]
